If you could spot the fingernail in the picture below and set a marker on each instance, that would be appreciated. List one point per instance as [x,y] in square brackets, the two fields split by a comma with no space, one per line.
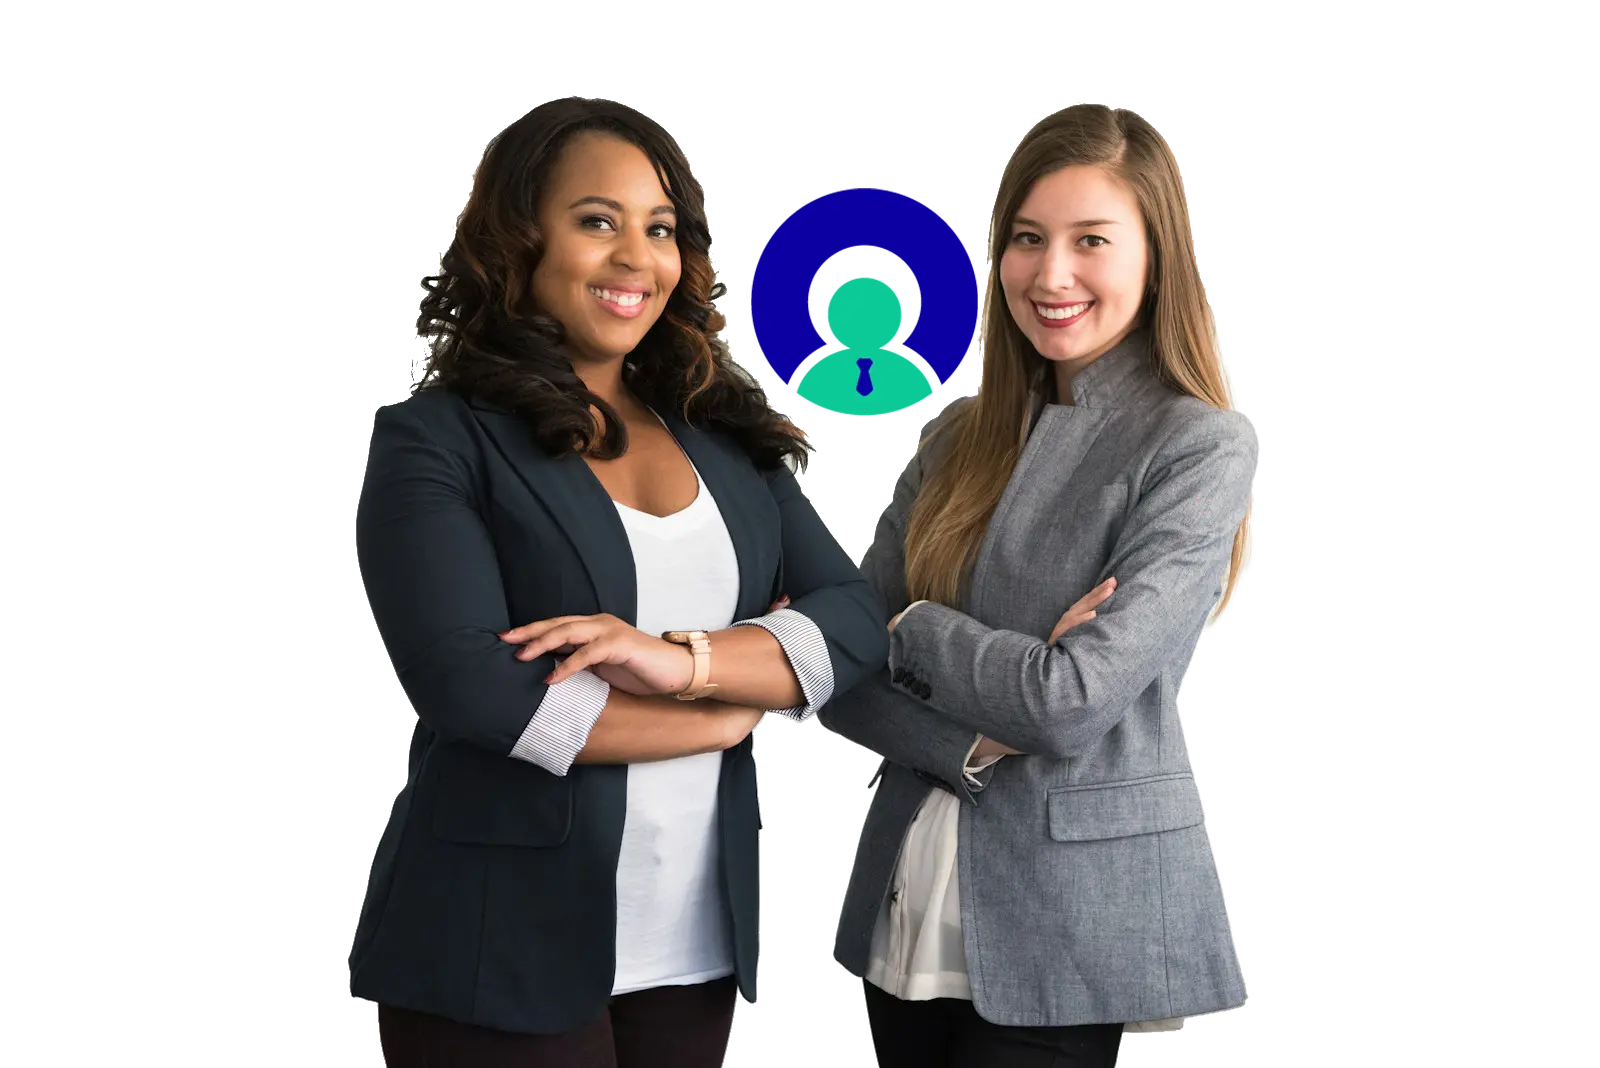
[548,677]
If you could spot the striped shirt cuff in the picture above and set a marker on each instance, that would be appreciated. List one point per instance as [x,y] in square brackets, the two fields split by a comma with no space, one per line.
[802,642]
[560,726]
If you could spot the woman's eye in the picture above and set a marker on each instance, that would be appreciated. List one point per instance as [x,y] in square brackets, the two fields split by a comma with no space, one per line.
[596,222]
[1025,238]
[1096,239]
[662,230]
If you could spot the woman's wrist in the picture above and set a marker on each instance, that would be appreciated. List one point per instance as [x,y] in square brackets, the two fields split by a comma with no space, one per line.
[688,670]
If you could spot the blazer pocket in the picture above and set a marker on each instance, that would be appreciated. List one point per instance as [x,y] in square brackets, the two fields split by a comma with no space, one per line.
[484,799]
[1122,809]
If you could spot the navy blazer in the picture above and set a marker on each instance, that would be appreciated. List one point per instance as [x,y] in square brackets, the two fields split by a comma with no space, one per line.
[492,897]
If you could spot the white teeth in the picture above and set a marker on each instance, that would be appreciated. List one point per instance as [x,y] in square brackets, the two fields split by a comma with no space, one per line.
[626,300]
[1061,313]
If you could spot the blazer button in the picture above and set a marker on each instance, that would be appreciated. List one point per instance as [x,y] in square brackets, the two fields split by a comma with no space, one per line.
[899,675]
[923,689]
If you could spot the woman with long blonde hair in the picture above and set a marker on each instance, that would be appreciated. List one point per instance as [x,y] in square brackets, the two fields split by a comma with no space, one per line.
[1034,876]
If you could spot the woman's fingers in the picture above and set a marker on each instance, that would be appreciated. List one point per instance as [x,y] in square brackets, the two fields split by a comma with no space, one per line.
[1093,599]
[1083,608]
[528,632]
[594,652]
[564,650]
[1096,596]
[578,632]
[1068,622]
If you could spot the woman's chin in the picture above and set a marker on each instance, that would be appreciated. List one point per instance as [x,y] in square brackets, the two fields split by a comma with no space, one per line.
[1056,352]
[604,348]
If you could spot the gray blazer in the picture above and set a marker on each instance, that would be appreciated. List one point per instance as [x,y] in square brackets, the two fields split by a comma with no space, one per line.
[1088,890]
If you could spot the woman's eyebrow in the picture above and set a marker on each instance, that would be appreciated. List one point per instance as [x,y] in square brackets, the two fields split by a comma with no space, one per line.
[1079,225]
[661,209]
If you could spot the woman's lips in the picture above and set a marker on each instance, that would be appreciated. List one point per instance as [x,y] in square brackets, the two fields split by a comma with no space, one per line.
[1055,319]
[623,303]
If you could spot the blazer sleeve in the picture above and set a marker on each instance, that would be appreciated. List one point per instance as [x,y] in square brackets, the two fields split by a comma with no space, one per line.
[828,590]
[875,714]
[1057,699]
[433,582]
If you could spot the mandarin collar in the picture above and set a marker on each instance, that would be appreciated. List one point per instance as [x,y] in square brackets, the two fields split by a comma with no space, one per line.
[1121,378]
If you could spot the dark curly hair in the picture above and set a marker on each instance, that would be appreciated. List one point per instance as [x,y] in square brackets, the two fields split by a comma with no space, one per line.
[489,340]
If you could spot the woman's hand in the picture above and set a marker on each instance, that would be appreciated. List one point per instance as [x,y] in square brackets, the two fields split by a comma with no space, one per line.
[1082,609]
[622,655]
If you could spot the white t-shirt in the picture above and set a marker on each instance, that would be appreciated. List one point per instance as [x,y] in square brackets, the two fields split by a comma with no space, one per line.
[672,921]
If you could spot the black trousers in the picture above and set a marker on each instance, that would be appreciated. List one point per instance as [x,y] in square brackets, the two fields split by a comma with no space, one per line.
[667,1027]
[949,1033]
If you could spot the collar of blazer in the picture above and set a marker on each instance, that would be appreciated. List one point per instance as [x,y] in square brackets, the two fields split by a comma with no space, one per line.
[580,505]
[1122,378]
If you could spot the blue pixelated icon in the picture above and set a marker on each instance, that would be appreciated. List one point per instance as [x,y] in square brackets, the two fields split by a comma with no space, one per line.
[845,219]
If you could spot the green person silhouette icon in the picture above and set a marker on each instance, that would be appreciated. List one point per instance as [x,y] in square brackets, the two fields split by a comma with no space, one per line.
[864,378]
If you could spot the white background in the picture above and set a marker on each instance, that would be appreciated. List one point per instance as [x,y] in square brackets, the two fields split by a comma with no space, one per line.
[215,220]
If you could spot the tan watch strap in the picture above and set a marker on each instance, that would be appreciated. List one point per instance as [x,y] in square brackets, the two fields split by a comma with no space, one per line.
[699,643]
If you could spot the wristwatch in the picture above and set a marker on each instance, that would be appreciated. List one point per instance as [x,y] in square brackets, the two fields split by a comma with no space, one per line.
[699,643]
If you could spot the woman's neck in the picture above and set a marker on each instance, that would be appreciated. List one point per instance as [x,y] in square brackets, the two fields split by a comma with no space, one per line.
[603,378]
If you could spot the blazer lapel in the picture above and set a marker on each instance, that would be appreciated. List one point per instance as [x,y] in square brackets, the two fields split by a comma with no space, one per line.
[578,503]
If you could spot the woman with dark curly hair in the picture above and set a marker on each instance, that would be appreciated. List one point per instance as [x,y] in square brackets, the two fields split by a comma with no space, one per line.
[582,525]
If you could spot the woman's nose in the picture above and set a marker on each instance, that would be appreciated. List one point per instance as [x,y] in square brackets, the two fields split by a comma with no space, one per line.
[632,250]
[1056,272]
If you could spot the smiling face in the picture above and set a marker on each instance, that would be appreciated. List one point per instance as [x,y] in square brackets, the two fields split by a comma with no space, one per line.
[1075,264]
[610,258]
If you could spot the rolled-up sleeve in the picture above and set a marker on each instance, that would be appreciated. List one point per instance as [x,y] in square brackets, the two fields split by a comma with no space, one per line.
[807,650]
[560,726]
[433,581]
[829,599]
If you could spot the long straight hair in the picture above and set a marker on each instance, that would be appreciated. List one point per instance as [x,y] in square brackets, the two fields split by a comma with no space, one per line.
[959,496]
